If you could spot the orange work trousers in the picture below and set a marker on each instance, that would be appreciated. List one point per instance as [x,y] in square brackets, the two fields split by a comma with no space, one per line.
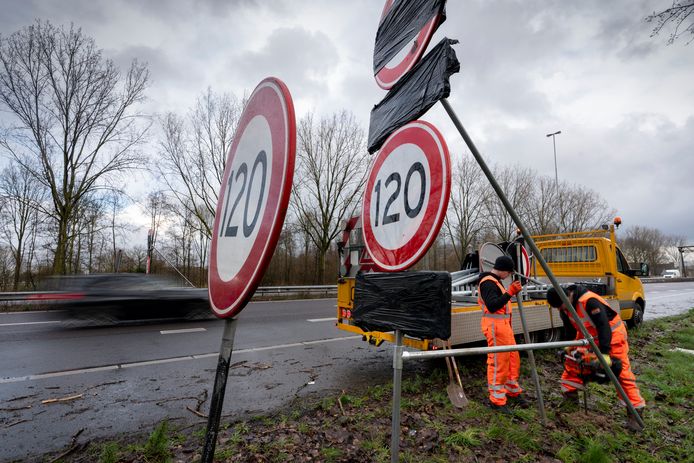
[619,348]
[503,368]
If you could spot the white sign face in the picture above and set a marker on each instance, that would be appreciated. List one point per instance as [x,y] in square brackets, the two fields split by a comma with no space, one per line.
[245,198]
[253,197]
[406,196]
[400,194]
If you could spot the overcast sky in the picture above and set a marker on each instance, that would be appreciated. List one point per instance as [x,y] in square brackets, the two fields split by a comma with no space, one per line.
[623,101]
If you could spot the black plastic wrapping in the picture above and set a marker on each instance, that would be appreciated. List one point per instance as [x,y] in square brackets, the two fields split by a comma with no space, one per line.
[403,21]
[415,93]
[416,303]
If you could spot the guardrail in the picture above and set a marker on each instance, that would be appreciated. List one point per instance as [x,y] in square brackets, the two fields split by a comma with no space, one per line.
[326,290]
[27,297]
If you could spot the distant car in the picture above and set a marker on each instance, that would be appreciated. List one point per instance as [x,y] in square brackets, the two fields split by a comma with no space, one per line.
[110,297]
[672,273]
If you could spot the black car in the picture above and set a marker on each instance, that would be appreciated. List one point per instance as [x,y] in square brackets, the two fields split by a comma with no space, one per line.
[111,297]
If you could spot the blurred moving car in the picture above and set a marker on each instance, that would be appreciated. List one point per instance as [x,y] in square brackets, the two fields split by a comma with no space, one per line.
[112,297]
[671,273]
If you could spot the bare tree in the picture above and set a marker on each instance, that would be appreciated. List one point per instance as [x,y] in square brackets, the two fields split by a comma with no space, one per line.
[465,218]
[75,116]
[541,211]
[330,173]
[21,197]
[676,16]
[194,151]
[516,182]
[645,244]
[581,208]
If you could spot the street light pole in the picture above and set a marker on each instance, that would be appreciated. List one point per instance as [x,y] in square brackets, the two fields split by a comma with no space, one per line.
[554,143]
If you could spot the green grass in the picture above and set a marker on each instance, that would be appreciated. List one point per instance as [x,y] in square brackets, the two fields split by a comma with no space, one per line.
[468,438]
[108,453]
[156,450]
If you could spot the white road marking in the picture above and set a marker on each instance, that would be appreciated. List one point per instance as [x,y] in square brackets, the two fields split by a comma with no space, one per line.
[314,320]
[185,330]
[679,293]
[30,323]
[18,379]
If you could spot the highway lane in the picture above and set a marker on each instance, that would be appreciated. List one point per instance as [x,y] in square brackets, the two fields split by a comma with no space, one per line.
[131,377]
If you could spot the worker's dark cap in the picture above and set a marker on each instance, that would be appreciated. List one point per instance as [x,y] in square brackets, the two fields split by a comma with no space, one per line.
[553,298]
[504,263]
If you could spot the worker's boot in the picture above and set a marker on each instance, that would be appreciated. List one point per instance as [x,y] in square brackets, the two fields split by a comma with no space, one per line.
[632,424]
[570,398]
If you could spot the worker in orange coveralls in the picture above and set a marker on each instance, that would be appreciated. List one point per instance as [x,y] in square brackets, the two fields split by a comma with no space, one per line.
[605,325]
[503,368]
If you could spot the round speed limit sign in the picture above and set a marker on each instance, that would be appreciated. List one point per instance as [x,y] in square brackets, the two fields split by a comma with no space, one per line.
[406,196]
[253,197]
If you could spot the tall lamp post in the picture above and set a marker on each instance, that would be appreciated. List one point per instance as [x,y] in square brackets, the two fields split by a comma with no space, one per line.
[554,143]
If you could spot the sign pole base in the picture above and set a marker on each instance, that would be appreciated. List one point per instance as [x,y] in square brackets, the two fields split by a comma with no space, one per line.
[397,385]
[220,383]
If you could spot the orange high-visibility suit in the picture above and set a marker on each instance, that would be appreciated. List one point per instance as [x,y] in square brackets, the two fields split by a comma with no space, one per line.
[612,341]
[503,368]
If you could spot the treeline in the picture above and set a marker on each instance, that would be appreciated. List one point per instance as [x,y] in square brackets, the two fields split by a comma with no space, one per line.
[78,141]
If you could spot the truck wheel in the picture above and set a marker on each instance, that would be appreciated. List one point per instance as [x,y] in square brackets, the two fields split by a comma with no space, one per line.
[637,318]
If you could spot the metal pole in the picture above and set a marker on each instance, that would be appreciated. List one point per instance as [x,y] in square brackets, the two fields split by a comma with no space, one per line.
[397,386]
[556,173]
[536,252]
[220,383]
[531,355]
[431,354]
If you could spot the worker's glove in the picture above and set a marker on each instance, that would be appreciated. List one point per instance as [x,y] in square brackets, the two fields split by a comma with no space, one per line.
[608,359]
[515,288]
[596,363]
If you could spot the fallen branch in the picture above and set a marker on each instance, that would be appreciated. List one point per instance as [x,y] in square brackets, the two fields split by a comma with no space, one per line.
[201,415]
[14,409]
[62,399]
[9,425]
[73,446]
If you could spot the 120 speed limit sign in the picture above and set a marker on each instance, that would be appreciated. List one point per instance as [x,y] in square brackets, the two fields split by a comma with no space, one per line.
[253,198]
[406,196]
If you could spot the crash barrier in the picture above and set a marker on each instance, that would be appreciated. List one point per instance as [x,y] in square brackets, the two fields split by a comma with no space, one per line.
[400,355]
[50,296]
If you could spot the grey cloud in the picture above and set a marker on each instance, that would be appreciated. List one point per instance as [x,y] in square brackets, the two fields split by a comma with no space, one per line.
[301,58]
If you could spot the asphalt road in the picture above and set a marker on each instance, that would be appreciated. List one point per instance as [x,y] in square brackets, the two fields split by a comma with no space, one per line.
[109,380]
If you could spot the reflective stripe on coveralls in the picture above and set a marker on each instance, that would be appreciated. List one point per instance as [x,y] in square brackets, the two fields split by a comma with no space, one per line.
[619,349]
[503,368]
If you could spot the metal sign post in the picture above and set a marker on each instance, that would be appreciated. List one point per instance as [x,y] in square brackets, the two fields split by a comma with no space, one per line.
[397,386]
[531,355]
[220,384]
[250,213]
[536,252]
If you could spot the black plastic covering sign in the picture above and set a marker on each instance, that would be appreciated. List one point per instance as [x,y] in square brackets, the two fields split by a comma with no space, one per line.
[416,303]
[403,21]
[415,93]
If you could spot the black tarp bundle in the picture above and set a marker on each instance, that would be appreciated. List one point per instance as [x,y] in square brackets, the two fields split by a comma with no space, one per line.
[415,93]
[416,303]
[403,21]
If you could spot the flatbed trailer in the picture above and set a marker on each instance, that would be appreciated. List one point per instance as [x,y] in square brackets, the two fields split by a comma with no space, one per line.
[591,258]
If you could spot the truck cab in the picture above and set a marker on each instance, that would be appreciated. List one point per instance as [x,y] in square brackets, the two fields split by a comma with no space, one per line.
[594,259]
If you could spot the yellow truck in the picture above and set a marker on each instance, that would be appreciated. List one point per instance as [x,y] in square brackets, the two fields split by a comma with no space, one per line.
[591,258]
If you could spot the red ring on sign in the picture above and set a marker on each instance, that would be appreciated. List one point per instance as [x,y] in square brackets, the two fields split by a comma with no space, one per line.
[429,140]
[272,101]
